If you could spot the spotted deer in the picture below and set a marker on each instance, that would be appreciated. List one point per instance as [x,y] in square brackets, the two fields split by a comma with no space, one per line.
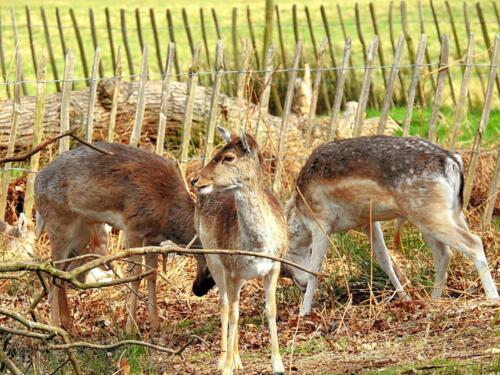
[361,181]
[235,211]
[131,190]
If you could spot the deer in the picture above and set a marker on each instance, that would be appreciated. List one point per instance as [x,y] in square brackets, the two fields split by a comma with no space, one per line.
[143,194]
[18,238]
[359,182]
[235,211]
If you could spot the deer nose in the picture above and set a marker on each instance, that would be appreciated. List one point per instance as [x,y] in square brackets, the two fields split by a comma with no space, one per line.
[194,180]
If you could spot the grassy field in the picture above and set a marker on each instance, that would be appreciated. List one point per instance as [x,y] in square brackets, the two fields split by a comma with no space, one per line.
[257,11]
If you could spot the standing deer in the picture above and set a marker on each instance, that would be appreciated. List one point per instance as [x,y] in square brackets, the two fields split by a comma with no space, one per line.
[360,181]
[235,211]
[131,190]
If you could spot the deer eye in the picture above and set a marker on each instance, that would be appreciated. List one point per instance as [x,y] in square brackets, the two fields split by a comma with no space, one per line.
[228,158]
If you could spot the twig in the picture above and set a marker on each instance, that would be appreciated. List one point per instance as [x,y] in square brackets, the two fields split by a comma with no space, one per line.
[82,344]
[23,332]
[47,142]
[8,363]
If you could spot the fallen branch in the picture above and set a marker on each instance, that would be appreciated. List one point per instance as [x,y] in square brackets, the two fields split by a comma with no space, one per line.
[23,332]
[41,146]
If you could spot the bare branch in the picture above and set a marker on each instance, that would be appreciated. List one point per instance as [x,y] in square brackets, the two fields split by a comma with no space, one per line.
[23,332]
[8,363]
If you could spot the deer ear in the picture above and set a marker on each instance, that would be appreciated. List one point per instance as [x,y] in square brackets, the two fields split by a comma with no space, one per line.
[225,134]
[22,223]
[244,142]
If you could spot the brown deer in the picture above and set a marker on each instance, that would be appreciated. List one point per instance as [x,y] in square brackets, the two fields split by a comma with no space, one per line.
[360,181]
[132,190]
[235,211]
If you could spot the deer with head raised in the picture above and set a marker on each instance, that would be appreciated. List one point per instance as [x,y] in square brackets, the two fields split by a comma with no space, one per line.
[361,181]
[132,190]
[235,211]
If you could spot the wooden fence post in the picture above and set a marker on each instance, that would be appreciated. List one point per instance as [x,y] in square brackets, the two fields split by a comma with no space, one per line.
[365,88]
[284,118]
[165,92]
[315,90]
[339,90]
[30,35]
[492,193]
[89,130]
[205,41]
[52,59]
[110,37]
[410,47]
[29,198]
[214,101]
[219,36]
[188,31]
[469,31]
[380,47]
[438,96]
[116,93]
[16,43]
[152,18]
[486,37]
[464,90]
[390,85]
[428,60]
[2,60]
[171,35]
[139,28]
[488,97]
[135,137]
[188,112]
[128,52]
[266,89]
[268,27]
[93,30]
[69,65]
[422,44]
[234,37]
[60,29]
[16,110]
[242,79]
[81,47]
[374,100]
[352,79]
[331,50]
[252,37]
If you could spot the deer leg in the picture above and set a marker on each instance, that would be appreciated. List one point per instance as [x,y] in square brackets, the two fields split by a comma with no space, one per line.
[455,236]
[270,283]
[319,249]
[233,287]
[384,259]
[152,264]
[442,256]
[135,268]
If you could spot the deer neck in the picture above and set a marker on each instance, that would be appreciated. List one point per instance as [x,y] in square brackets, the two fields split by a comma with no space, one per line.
[254,215]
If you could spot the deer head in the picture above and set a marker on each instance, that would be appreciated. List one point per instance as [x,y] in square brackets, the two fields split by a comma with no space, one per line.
[237,163]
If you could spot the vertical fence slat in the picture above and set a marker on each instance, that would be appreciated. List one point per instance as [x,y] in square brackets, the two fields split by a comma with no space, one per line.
[428,60]
[152,18]
[29,198]
[252,37]
[224,61]
[116,93]
[339,90]
[138,25]
[410,47]
[234,38]
[281,39]
[365,89]
[30,35]
[110,37]
[331,48]
[438,96]
[242,78]
[16,110]
[266,91]
[492,193]
[188,30]
[352,88]
[497,15]
[380,47]
[48,42]
[171,35]
[16,43]
[60,29]
[486,36]
[135,137]
[89,129]
[390,86]
[268,27]
[315,90]
[284,118]
[469,31]
[464,90]
[2,59]
[165,92]
[93,30]
[188,109]
[422,44]
[128,52]
[214,101]
[81,47]
[69,66]
[205,41]
[485,116]
[295,23]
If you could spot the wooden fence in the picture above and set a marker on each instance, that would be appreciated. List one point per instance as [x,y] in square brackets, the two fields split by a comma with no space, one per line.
[56,30]
[255,122]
